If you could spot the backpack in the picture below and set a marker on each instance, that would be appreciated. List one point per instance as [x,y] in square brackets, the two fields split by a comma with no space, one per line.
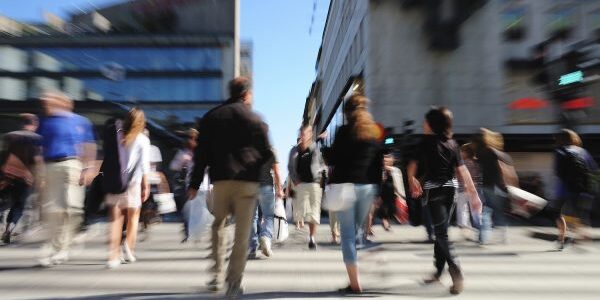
[572,169]
[112,181]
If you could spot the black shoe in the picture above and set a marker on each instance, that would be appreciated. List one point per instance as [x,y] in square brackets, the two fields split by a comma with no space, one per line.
[6,237]
[312,245]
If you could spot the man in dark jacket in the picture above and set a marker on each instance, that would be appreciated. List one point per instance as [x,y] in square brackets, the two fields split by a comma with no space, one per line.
[233,145]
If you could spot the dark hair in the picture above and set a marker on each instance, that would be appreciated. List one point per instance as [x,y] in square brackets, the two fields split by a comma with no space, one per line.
[440,121]
[29,119]
[239,86]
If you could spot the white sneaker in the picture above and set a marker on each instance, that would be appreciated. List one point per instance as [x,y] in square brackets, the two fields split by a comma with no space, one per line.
[129,257]
[45,262]
[113,264]
[265,246]
[60,257]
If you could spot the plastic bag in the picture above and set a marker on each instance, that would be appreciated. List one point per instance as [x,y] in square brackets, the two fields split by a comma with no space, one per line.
[197,216]
[339,196]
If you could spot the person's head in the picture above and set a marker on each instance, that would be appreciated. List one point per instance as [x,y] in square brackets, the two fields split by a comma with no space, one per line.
[388,160]
[191,140]
[55,101]
[492,139]
[240,89]
[568,137]
[359,118]
[468,151]
[30,122]
[134,124]
[438,121]
[306,135]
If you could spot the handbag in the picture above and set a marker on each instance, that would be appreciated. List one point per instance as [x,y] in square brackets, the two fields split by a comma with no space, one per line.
[401,214]
[280,225]
[523,203]
[165,203]
[339,196]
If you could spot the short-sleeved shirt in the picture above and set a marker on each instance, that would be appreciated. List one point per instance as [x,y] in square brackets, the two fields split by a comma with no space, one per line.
[304,165]
[265,176]
[440,157]
[63,134]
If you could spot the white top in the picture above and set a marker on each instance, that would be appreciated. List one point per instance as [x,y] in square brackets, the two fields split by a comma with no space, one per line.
[155,156]
[138,150]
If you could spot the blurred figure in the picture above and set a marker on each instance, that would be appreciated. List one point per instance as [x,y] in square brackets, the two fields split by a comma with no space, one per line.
[573,165]
[466,218]
[496,173]
[298,208]
[20,161]
[69,151]
[270,191]
[134,158]
[183,164]
[306,170]
[233,145]
[356,158]
[440,155]
[158,185]
[392,188]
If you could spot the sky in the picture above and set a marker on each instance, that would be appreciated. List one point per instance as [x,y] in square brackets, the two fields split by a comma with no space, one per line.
[285,52]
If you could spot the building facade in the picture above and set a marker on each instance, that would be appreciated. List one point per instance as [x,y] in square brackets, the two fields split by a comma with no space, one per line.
[172,58]
[495,64]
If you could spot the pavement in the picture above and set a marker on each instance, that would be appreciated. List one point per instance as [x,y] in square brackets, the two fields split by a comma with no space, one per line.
[528,267]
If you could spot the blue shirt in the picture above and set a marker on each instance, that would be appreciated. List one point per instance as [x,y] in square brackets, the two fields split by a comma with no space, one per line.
[63,134]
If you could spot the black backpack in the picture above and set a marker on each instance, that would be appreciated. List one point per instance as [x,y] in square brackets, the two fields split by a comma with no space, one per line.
[112,181]
[572,169]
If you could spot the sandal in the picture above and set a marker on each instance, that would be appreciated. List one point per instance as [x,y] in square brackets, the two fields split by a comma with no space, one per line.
[349,290]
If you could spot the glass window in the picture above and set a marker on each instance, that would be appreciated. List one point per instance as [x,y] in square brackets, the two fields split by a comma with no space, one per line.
[156,89]
[137,59]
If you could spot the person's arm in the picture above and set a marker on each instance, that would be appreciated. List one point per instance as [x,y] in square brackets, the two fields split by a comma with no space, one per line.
[200,160]
[145,165]
[178,161]
[464,175]
[415,186]
[87,155]
[277,181]
[293,179]
[398,182]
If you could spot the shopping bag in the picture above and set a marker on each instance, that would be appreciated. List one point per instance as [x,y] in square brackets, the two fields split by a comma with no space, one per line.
[280,224]
[197,216]
[401,211]
[523,203]
[339,196]
[165,203]
[289,212]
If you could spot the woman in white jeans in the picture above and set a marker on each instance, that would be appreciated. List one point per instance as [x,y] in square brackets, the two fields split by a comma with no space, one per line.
[356,158]
[134,148]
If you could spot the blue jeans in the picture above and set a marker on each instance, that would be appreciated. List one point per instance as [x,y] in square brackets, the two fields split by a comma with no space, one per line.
[492,214]
[266,201]
[353,219]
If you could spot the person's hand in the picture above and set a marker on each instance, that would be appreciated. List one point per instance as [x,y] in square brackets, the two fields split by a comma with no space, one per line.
[415,188]
[191,194]
[85,178]
[279,193]
[145,193]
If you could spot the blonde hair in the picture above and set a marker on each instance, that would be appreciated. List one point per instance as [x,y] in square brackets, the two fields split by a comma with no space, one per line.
[568,137]
[359,119]
[492,139]
[134,124]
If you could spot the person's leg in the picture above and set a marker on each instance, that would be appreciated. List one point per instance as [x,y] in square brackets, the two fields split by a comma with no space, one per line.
[133,216]
[499,216]
[117,218]
[243,203]
[299,204]
[334,226]
[221,210]
[440,206]
[427,222]
[314,217]
[253,240]
[19,194]
[348,241]
[267,206]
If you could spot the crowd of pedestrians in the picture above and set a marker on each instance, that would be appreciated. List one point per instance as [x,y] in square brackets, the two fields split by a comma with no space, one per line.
[230,160]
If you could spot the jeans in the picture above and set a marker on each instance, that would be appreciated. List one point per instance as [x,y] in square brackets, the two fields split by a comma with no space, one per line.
[354,218]
[266,202]
[19,191]
[440,203]
[492,214]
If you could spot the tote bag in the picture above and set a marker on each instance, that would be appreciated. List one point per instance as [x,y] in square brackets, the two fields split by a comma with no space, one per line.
[280,225]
